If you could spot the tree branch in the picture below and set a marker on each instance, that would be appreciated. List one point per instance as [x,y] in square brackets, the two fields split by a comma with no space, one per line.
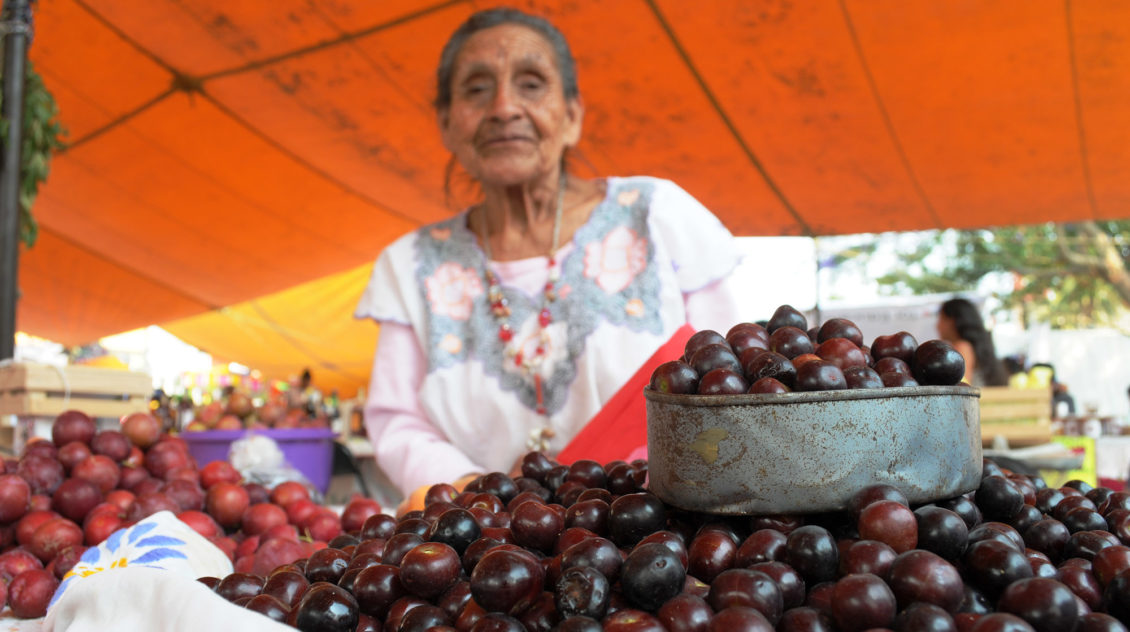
[1112,266]
[1050,272]
[1072,257]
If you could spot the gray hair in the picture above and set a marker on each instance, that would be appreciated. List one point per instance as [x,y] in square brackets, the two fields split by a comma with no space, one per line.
[566,65]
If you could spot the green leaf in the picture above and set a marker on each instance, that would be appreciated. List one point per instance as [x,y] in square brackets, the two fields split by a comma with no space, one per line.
[1059,272]
[42,137]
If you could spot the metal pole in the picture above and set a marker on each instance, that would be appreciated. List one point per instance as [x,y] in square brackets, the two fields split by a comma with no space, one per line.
[14,22]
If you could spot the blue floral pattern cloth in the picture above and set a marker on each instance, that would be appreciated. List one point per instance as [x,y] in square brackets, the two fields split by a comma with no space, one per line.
[159,541]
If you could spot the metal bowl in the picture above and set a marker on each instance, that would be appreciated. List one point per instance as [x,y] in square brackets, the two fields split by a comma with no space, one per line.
[809,452]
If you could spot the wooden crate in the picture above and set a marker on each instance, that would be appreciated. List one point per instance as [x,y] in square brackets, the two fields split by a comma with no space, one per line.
[32,395]
[43,390]
[1021,415]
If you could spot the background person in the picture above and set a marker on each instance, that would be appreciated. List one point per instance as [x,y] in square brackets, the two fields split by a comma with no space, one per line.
[509,326]
[960,324]
[1063,402]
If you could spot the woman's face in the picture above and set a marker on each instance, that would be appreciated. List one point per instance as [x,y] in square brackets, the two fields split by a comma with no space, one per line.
[509,122]
[946,329]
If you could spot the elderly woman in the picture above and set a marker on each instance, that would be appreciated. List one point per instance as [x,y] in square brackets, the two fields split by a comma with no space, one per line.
[509,326]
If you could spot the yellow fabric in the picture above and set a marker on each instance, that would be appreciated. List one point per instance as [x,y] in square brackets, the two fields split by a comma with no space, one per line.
[1087,473]
[104,361]
[310,325]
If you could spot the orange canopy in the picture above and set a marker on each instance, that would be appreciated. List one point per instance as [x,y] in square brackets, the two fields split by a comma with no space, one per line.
[235,166]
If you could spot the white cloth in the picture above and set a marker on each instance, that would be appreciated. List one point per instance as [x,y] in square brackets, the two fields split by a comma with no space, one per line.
[144,578]
[133,599]
[441,377]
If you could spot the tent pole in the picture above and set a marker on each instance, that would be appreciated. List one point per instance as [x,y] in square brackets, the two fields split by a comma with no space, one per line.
[14,26]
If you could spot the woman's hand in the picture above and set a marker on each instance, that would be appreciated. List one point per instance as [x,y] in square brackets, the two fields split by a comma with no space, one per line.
[516,469]
[415,500]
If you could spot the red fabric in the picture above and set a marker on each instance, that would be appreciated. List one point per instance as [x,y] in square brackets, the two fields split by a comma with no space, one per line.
[1112,483]
[620,427]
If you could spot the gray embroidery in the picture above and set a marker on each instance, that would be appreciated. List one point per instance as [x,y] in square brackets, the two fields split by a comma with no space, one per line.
[582,306]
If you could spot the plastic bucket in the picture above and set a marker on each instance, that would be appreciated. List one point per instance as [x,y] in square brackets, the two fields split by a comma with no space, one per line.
[309,450]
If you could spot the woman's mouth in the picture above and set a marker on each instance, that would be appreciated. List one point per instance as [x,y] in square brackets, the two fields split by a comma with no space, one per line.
[506,140]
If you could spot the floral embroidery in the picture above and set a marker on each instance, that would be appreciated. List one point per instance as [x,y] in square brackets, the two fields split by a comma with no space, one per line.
[528,337]
[634,308]
[616,260]
[453,289]
[451,344]
[604,278]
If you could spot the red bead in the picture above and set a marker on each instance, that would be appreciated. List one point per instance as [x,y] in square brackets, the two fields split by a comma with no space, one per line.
[544,317]
[505,333]
[518,359]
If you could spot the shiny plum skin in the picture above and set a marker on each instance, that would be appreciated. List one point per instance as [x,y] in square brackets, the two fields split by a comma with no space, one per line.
[594,551]
[937,362]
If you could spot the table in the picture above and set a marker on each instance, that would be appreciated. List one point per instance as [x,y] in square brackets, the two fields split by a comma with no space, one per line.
[1112,457]
[1106,459]
[383,491]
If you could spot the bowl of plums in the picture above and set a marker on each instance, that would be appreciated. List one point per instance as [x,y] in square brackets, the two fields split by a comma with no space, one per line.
[782,418]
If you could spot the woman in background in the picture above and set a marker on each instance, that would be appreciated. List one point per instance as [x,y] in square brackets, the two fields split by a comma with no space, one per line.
[960,324]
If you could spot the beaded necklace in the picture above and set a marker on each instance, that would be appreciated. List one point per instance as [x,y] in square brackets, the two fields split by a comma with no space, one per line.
[499,306]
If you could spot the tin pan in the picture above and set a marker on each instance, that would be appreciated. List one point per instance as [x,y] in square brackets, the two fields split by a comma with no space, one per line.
[809,452]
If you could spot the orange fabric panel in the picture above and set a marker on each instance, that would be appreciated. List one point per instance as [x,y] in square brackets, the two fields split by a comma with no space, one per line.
[1101,32]
[646,115]
[216,213]
[341,110]
[310,325]
[980,95]
[93,73]
[72,295]
[828,150]
[204,36]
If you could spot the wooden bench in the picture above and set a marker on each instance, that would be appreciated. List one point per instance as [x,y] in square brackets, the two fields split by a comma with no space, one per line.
[1021,415]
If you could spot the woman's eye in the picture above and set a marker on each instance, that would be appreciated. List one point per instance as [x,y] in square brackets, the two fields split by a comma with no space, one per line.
[531,84]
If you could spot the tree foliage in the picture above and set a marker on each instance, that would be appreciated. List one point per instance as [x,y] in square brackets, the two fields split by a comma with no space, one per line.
[42,137]
[1069,275]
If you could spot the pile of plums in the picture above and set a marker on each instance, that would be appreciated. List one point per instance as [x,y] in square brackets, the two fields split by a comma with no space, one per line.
[586,547]
[71,492]
[785,356]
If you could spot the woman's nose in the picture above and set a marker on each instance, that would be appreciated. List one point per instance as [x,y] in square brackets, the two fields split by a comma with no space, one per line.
[505,106]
